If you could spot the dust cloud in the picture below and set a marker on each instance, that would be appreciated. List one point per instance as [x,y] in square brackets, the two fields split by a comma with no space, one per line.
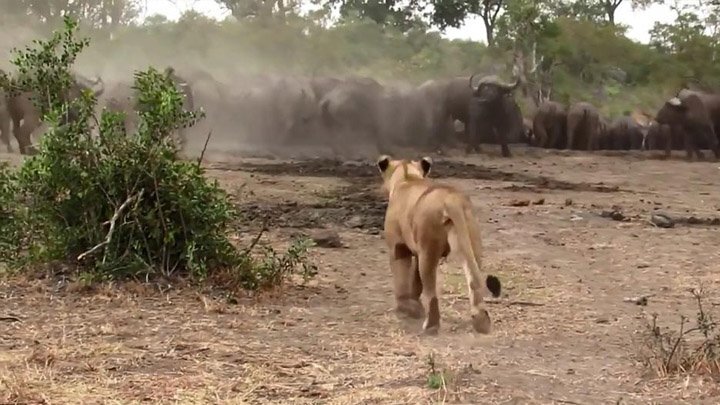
[262,95]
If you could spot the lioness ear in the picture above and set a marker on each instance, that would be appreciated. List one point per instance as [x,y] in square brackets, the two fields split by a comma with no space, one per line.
[426,164]
[383,163]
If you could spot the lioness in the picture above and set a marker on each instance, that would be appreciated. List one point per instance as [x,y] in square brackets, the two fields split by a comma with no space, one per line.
[427,220]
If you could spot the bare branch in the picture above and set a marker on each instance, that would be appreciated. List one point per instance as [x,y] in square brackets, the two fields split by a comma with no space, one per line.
[113,220]
[202,154]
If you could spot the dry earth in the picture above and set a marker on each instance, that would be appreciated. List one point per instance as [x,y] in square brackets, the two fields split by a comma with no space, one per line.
[337,340]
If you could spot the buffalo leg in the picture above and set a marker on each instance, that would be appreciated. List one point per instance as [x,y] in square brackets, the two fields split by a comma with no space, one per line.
[22,134]
[570,134]
[704,132]
[668,136]
[473,135]
[541,135]
[715,146]
[712,141]
[473,128]
[592,143]
[501,137]
[689,144]
[434,143]
[5,131]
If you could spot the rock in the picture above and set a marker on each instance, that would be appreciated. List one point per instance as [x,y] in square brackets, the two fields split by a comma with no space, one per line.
[355,221]
[326,238]
[662,220]
[519,203]
[568,202]
[539,202]
[641,300]
[615,214]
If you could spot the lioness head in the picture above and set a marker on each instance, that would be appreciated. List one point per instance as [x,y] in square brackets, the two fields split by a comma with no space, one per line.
[397,170]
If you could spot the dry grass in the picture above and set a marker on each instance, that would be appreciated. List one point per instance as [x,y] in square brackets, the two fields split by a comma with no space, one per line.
[562,331]
[694,348]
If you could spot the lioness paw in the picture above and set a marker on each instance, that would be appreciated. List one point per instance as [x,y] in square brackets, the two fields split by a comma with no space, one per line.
[411,308]
[430,330]
[481,321]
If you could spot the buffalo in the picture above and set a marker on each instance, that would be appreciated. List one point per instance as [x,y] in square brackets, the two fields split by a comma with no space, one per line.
[449,100]
[583,126]
[549,125]
[351,110]
[493,110]
[624,134]
[690,118]
[5,121]
[26,116]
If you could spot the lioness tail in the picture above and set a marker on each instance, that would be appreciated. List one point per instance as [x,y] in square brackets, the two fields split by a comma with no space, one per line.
[465,238]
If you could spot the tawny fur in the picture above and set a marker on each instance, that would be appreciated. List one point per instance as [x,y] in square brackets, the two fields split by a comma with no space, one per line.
[424,222]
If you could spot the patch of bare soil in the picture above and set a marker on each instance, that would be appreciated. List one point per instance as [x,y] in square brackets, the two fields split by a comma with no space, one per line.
[442,169]
[564,331]
[358,205]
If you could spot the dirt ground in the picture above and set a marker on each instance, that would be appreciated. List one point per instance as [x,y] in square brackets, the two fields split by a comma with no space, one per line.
[563,333]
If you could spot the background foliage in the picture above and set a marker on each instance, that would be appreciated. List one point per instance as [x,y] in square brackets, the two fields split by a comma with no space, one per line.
[569,49]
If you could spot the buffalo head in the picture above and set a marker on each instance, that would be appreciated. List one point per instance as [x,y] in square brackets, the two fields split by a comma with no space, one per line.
[491,88]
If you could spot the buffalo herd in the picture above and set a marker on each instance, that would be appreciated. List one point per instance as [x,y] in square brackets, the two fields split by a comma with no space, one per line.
[689,121]
[280,112]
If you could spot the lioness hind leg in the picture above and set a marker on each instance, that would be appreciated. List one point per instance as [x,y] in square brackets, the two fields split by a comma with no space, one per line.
[480,317]
[427,263]
[405,281]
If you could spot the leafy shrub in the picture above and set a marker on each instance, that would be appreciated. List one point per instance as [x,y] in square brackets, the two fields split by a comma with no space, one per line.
[10,222]
[117,205]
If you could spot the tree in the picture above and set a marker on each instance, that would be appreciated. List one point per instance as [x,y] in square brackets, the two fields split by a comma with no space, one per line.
[452,13]
[610,7]
[687,40]
[261,10]
[489,10]
[383,12]
[523,27]
[595,10]
[98,13]
[587,10]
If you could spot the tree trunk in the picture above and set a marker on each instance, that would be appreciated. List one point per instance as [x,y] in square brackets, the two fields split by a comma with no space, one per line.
[521,63]
[489,32]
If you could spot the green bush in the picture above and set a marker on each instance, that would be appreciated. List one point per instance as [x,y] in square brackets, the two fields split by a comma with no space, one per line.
[10,221]
[116,205]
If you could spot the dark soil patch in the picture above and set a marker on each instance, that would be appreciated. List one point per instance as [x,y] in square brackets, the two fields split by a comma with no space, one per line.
[359,205]
[441,169]
[616,214]
[356,206]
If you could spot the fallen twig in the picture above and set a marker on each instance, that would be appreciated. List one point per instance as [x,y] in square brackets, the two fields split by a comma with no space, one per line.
[641,300]
[202,154]
[113,220]
[566,401]
[257,238]
[520,303]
